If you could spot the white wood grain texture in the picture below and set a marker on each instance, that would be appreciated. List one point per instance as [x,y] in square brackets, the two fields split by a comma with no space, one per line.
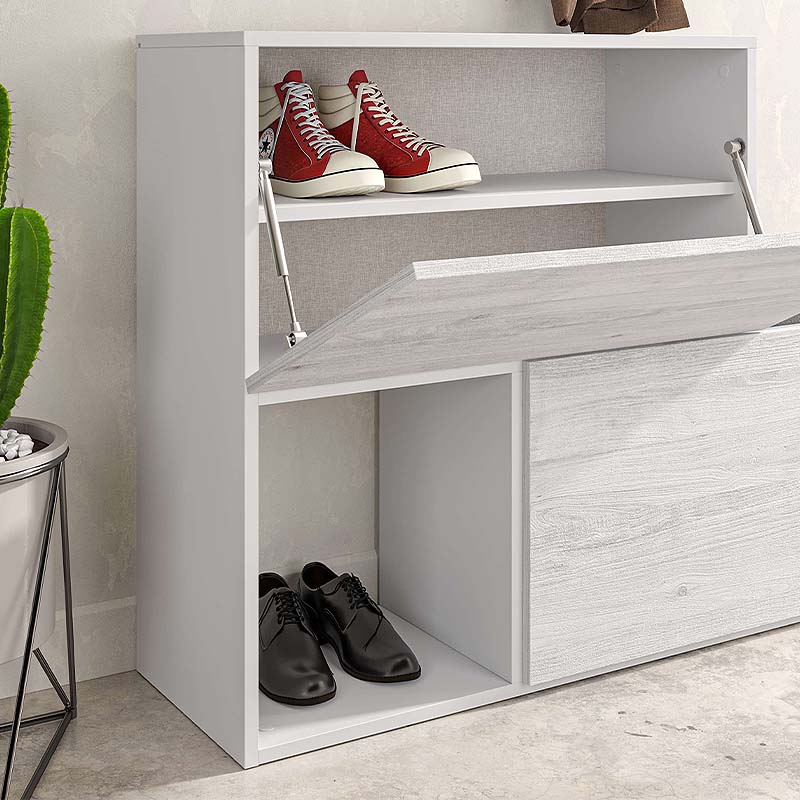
[306,39]
[664,504]
[197,309]
[387,382]
[447,314]
[670,112]
[447,524]
[509,191]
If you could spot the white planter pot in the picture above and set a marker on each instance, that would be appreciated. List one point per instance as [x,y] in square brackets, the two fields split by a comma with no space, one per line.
[22,511]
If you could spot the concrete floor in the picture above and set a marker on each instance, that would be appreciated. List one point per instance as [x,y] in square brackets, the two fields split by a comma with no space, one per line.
[720,724]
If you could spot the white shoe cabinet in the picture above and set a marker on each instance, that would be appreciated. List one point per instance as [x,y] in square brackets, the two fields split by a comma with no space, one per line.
[556,401]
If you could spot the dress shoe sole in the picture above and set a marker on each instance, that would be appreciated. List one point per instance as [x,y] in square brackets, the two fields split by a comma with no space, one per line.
[293,701]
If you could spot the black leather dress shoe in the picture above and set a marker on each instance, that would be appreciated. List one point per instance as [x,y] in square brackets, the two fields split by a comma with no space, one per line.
[291,667]
[344,615]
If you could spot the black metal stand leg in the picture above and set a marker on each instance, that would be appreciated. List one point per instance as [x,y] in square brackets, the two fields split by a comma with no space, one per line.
[62,507]
[57,493]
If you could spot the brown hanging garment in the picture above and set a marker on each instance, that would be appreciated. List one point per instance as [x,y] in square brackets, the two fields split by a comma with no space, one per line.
[671,16]
[620,16]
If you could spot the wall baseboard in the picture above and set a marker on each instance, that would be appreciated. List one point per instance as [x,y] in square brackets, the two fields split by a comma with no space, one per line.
[105,643]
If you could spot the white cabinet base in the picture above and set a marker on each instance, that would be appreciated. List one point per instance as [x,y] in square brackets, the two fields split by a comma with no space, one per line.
[450,682]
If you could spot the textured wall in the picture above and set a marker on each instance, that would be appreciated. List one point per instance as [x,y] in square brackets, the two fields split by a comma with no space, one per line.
[70,68]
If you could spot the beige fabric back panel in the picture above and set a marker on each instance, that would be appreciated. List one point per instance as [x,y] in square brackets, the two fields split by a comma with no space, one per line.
[473,98]
[333,263]
[317,500]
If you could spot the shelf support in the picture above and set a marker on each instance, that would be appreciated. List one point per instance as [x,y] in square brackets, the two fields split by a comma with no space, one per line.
[268,201]
[734,149]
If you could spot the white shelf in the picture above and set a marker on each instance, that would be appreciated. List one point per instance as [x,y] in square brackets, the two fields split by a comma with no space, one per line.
[508,191]
[450,682]
[370,39]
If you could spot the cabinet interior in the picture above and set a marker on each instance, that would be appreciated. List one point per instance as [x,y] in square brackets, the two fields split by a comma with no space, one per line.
[435,536]
[517,111]
[520,111]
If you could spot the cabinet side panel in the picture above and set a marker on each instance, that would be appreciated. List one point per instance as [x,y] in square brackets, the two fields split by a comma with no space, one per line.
[670,112]
[197,428]
[664,504]
[447,522]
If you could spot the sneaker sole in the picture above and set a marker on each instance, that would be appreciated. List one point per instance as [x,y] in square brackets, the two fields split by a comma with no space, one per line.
[438,181]
[337,184]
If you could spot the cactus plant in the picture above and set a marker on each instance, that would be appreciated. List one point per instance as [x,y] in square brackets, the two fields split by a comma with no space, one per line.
[25,259]
[5,141]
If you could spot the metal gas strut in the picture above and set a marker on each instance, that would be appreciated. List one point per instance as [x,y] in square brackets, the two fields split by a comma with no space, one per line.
[268,201]
[734,149]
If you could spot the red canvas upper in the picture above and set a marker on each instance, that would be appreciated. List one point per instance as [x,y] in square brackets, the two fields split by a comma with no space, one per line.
[294,157]
[393,156]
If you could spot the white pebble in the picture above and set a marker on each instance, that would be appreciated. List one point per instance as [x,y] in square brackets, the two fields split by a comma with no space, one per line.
[14,444]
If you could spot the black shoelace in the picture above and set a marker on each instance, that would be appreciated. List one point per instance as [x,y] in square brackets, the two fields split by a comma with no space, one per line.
[288,609]
[356,593]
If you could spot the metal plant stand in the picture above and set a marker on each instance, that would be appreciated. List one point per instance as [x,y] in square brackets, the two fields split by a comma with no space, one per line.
[57,494]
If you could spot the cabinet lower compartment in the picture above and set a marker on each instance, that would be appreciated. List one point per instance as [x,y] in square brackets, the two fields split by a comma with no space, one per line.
[441,549]
[663,500]
[658,515]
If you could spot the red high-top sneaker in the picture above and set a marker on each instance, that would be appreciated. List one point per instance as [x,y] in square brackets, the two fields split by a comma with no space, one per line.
[307,161]
[358,116]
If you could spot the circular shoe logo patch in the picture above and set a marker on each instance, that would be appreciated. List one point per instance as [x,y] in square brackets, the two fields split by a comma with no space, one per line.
[266,143]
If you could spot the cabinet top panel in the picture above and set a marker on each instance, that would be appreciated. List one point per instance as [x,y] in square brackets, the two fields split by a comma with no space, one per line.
[647,41]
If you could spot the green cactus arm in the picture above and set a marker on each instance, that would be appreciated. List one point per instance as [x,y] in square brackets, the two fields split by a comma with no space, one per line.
[5,141]
[6,215]
[29,259]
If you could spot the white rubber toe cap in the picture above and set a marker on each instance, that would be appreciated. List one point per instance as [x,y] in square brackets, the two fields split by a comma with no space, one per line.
[444,157]
[345,160]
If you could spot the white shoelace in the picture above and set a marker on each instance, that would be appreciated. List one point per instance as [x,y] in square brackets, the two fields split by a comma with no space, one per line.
[299,101]
[385,116]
